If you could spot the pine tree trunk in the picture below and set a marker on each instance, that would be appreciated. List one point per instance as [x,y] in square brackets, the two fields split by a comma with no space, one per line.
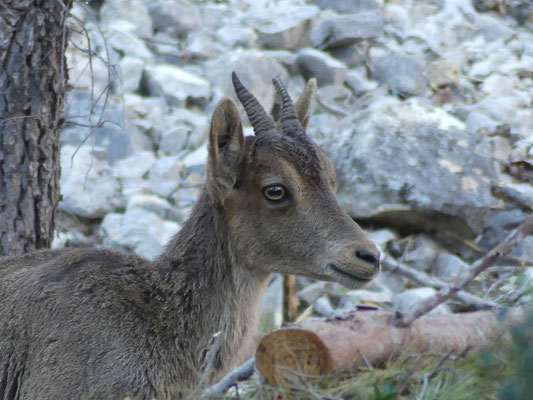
[32,86]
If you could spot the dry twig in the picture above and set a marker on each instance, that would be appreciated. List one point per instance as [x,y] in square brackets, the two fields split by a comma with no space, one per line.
[424,279]
[290,299]
[513,240]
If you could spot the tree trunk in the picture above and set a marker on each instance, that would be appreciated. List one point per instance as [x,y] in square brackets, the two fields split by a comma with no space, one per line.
[32,86]
[320,346]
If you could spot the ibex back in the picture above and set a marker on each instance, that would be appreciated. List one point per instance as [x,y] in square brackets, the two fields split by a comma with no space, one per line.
[98,324]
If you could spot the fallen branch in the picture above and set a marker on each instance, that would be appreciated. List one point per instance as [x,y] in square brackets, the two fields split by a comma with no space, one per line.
[421,278]
[514,239]
[477,249]
[361,338]
[243,371]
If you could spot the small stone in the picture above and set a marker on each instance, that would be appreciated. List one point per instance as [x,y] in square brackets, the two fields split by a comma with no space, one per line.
[176,84]
[204,44]
[323,306]
[155,204]
[131,69]
[312,292]
[442,72]
[254,68]
[401,73]
[502,109]
[381,237]
[196,158]
[87,186]
[174,140]
[477,120]
[502,148]
[125,42]
[116,135]
[334,93]
[284,28]
[165,175]
[351,56]
[421,252]
[502,222]
[366,296]
[497,85]
[347,6]
[395,15]
[71,238]
[185,197]
[395,282]
[449,266]
[134,166]
[237,36]
[133,11]
[177,16]
[522,12]
[359,83]
[79,62]
[410,298]
[443,96]
[287,58]
[493,28]
[137,230]
[327,70]
[347,29]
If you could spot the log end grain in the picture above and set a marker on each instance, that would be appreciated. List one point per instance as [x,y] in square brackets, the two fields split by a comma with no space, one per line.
[287,354]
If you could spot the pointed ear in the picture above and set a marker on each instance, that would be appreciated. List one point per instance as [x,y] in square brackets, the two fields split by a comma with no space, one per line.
[226,147]
[304,105]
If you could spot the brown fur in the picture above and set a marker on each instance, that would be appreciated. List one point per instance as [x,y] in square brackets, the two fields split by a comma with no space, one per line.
[98,324]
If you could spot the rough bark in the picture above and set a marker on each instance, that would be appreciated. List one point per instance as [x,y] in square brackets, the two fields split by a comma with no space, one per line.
[317,346]
[32,87]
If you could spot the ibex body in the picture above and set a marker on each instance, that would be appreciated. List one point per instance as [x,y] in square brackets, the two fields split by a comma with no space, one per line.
[98,324]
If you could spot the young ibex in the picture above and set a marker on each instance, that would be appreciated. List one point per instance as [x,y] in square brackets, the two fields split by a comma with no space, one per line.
[98,324]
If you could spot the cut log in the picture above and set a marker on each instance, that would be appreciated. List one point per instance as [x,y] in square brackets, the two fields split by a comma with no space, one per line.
[320,346]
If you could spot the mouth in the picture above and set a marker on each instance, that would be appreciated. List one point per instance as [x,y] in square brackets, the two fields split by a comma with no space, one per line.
[348,275]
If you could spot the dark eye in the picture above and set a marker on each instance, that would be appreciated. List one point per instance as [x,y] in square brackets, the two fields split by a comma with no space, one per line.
[275,193]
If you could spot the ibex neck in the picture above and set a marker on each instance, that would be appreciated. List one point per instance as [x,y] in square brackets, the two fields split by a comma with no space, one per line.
[208,292]
[202,250]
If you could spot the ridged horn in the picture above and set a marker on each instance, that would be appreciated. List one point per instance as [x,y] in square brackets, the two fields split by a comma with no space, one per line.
[290,124]
[257,115]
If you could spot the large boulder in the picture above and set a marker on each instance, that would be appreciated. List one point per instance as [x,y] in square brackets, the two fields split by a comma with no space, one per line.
[413,166]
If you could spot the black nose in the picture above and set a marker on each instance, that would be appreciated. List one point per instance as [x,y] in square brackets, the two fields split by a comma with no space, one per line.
[369,257]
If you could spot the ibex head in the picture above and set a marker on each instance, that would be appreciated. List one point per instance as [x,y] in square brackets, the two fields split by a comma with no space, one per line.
[277,190]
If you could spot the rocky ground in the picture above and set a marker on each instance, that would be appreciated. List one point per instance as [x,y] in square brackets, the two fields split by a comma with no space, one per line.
[424,106]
